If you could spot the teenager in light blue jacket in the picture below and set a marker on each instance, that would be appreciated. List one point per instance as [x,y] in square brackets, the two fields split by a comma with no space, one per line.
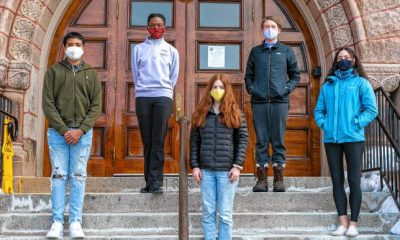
[345,106]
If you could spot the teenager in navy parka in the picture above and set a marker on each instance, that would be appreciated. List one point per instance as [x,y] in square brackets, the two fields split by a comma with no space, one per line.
[218,145]
[345,106]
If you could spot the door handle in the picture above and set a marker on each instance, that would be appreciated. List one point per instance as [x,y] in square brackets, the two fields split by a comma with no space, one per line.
[178,106]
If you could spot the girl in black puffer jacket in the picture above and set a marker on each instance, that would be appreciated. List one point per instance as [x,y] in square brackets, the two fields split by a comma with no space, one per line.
[218,144]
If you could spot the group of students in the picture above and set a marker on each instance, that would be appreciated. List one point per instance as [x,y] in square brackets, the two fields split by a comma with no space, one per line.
[219,135]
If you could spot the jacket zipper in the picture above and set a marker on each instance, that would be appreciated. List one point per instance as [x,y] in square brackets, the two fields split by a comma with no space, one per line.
[74,90]
[215,141]
[269,75]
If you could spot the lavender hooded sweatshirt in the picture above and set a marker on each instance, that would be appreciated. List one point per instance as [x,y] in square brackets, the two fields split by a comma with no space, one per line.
[155,68]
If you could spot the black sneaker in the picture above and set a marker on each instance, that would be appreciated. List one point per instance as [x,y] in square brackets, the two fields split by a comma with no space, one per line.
[145,190]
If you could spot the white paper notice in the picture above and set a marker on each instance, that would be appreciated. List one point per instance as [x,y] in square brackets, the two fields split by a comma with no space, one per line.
[216,56]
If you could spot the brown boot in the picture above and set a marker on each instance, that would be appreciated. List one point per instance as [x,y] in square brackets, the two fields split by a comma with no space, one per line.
[262,180]
[278,178]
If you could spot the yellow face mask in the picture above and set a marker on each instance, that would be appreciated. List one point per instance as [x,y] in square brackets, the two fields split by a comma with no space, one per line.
[217,94]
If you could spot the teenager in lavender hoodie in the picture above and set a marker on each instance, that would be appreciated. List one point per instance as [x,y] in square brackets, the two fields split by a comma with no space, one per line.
[155,68]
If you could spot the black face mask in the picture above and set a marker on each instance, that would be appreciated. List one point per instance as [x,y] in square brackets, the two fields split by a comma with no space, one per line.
[344,64]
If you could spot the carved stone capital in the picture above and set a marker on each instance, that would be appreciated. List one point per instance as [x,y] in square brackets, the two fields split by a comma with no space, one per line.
[23,28]
[386,76]
[342,36]
[19,75]
[20,50]
[324,4]
[32,9]
[3,71]
[336,16]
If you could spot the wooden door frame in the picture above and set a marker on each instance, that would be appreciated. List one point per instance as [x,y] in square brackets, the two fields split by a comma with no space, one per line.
[73,11]
[315,153]
[67,17]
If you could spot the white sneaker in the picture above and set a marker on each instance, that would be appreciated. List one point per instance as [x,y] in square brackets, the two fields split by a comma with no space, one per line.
[75,230]
[352,231]
[56,231]
[340,231]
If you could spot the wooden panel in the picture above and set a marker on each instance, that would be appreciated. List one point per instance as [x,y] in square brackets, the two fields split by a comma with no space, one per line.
[135,146]
[94,14]
[95,53]
[301,57]
[130,95]
[297,144]
[238,92]
[90,19]
[104,98]
[276,8]
[98,144]
[134,143]
[117,146]
[299,100]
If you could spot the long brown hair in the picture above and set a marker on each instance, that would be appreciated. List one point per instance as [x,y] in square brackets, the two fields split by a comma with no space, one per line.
[357,63]
[230,114]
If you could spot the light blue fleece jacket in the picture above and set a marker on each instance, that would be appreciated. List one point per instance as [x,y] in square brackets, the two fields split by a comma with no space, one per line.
[345,106]
[155,68]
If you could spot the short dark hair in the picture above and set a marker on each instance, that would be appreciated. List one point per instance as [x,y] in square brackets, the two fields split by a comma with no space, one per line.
[73,35]
[274,19]
[153,15]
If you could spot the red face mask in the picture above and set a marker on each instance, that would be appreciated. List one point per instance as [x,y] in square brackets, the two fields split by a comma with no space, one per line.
[156,32]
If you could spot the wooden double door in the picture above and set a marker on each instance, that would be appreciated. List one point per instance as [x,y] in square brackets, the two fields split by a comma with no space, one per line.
[212,36]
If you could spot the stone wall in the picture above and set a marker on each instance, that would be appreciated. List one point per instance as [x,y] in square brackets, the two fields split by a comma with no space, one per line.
[23,26]
[369,26]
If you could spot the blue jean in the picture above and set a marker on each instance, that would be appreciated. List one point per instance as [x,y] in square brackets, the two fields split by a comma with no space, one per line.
[68,162]
[217,192]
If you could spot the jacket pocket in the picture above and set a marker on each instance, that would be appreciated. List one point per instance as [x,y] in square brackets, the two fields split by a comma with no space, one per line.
[255,92]
[354,126]
[324,125]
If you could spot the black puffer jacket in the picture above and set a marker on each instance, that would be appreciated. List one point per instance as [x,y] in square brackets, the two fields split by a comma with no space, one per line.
[271,74]
[217,147]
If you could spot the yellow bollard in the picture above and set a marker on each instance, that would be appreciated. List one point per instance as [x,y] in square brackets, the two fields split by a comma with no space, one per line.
[8,154]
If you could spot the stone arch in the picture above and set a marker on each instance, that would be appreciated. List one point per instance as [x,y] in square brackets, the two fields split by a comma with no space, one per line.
[29,45]
[29,30]
[29,27]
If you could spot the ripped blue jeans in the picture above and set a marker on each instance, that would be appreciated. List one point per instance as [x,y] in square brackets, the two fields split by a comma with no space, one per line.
[68,162]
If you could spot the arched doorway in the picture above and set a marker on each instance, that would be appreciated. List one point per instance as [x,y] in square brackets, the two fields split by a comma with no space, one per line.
[113,27]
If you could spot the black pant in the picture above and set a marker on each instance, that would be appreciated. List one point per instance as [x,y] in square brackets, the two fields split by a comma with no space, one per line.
[153,114]
[353,152]
[270,124]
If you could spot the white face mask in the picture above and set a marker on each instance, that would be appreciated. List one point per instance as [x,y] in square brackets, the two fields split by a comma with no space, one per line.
[74,53]
[271,33]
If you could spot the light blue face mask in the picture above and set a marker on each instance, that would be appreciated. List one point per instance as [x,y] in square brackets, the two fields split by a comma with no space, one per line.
[271,33]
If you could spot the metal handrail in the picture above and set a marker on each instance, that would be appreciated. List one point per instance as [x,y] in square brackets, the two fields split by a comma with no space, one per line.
[183,181]
[380,89]
[383,144]
[393,143]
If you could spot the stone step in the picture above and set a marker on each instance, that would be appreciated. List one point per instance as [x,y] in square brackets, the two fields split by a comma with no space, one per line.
[251,223]
[171,183]
[271,236]
[245,201]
